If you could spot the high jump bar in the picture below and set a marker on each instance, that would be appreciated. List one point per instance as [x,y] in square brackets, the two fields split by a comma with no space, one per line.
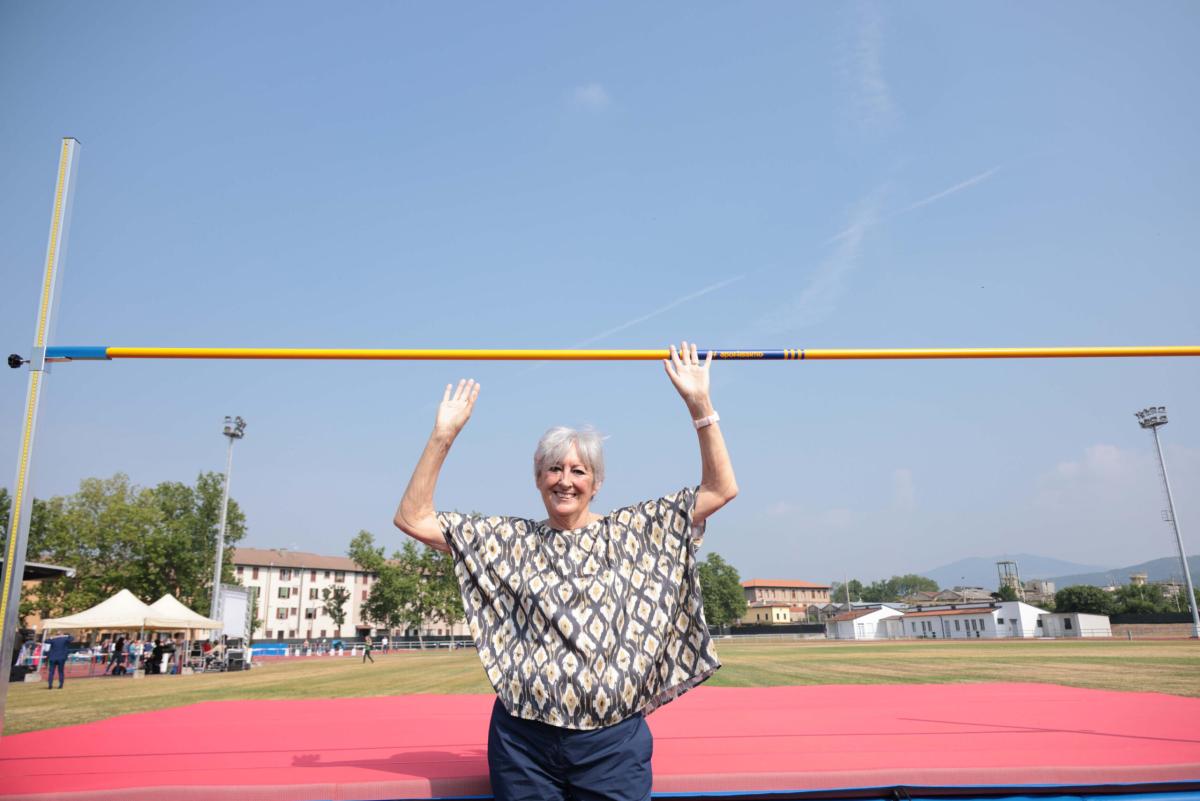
[102,353]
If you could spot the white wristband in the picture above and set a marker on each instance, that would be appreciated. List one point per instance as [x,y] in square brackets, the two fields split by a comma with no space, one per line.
[706,421]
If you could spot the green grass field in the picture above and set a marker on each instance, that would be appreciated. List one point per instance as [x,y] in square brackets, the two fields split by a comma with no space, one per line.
[1164,666]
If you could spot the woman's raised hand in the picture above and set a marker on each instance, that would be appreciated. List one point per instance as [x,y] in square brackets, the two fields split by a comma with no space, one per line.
[689,375]
[455,409]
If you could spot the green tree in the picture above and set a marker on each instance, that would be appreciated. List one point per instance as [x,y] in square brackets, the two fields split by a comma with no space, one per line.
[436,596]
[1083,598]
[179,557]
[897,588]
[1006,593]
[392,590]
[1140,599]
[117,535]
[837,593]
[335,601]
[721,591]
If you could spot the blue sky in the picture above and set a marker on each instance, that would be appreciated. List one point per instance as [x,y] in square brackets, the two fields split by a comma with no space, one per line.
[755,175]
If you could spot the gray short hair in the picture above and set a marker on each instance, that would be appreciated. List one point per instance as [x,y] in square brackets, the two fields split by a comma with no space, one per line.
[555,443]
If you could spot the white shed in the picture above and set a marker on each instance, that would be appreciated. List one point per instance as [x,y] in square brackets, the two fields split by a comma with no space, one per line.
[1074,624]
[860,624]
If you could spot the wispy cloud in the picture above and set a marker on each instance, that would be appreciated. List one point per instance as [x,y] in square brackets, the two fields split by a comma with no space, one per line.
[862,71]
[662,309]
[591,97]
[972,181]
[819,297]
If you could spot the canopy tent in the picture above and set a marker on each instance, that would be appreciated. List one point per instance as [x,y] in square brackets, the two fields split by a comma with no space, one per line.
[121,611]
[168,612]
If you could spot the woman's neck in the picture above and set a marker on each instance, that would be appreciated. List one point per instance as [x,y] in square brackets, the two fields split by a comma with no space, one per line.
[571,522]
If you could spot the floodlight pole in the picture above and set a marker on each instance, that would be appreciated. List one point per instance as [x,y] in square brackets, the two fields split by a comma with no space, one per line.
[1152,417]
[22,503]
[235,428]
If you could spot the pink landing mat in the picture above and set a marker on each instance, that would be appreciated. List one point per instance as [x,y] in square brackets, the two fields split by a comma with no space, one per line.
[986,738]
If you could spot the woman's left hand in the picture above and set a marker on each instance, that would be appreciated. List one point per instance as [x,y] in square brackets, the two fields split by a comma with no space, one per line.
[690,377]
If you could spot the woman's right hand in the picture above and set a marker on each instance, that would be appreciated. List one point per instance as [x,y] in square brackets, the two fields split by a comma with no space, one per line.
[455,409]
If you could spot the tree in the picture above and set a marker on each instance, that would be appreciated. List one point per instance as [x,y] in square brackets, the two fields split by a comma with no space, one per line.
[393,589]
[721,591]
[1006,593]
[1140,599]
[897,588]
[437,595]
[837,593]
[117,535]
[335,601]
[1083,598]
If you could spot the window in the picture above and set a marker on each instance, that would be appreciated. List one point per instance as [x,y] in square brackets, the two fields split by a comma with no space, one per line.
[291,633]
[281,614]
[322,632]
[365,594]
[339,576]
[310,614]
[313,594]
[285,574]
[1067,623]
[285,592]
[312,575]
[957,626]
[254,573]
[279,634]
[1039,625]
[239,570]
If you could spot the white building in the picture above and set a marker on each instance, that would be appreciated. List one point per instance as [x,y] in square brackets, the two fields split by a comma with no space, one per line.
[1074,624]
[876,623]
[1003,619]
[289,587]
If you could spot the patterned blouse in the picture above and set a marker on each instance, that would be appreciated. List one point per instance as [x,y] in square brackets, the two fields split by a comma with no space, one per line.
[584,628]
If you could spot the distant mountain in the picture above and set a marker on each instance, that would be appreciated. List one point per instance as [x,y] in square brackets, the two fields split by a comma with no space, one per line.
[1156,570]
[980,571]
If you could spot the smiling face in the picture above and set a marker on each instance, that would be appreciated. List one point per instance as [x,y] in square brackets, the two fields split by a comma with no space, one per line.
[567,488]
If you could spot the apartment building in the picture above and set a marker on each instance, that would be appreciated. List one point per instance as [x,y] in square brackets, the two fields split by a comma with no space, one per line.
[289,586]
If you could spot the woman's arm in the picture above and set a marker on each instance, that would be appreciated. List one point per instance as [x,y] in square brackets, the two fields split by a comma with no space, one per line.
[416,515]
[718,486]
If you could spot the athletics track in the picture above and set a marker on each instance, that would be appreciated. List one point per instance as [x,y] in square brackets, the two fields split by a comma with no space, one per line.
[893,741]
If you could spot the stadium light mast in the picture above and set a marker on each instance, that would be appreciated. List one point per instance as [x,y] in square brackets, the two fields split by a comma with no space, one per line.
[235,429]
[1152,417]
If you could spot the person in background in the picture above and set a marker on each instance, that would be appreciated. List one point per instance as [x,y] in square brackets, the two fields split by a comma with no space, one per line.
[135,653]
[57,659]
[367,646]
[116,657]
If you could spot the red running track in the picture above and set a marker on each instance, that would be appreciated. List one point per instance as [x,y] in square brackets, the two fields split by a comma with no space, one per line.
[987,737]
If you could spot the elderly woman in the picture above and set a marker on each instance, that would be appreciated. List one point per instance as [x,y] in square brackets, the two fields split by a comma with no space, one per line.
[584,622]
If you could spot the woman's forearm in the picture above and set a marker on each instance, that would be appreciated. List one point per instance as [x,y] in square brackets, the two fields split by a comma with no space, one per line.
[718,485]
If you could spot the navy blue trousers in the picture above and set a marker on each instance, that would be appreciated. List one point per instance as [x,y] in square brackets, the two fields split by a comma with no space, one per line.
[531,761]
[59,665]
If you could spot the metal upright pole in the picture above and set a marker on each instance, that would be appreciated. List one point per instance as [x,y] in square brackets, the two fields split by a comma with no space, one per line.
[216,586]
[22,503]
[1187,573]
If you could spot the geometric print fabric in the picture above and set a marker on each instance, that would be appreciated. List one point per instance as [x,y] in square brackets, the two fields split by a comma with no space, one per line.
[582,629]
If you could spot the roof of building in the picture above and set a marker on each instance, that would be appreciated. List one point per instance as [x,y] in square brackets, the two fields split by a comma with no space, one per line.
[269,557]
[789,584]
[857,613]
[948,612]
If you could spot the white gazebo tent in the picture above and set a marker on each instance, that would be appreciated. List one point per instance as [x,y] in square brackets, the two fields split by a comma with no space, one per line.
[121,611]
[168,612]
